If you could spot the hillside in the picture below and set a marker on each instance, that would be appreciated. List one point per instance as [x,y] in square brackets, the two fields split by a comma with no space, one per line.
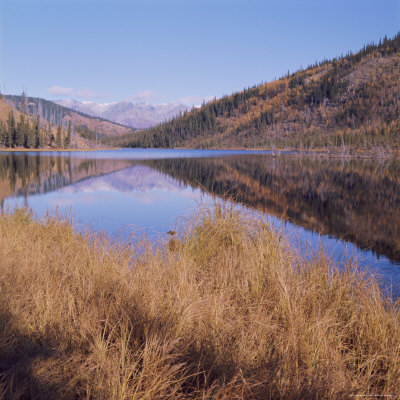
[348,102]
[20,129]
[5,110]
[84,125]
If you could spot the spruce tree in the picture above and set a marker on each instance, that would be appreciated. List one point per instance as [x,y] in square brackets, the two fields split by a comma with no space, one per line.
[52,140]
[67,141]
[24,103]
[59,139]
[30,135]
[1,133]
[20,134]
[10,139]
[26,134]
[37,139]
[49,134]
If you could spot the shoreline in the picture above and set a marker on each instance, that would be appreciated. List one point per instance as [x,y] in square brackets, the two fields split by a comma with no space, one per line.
[24,150]
[323,152]
[320,152]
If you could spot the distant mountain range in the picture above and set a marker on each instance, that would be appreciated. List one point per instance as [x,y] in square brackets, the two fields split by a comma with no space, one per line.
[138,116]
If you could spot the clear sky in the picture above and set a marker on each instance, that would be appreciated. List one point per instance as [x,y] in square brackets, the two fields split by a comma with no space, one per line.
[175,50]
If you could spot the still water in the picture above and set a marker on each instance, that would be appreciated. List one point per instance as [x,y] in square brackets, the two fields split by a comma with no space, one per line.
[351,207]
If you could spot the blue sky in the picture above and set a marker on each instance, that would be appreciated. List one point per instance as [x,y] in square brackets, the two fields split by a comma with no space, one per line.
[159,51]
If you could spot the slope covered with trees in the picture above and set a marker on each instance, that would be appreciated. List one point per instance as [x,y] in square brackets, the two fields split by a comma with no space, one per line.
[352,101]
[18,129]
[83,125]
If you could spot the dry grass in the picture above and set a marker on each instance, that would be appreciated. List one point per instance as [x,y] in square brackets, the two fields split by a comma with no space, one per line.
[227,310]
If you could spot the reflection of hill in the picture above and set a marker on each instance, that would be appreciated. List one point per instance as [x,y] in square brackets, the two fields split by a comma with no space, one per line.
[25,175]
[353,199]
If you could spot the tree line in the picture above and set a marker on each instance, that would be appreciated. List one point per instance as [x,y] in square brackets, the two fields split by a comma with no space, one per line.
[24,133]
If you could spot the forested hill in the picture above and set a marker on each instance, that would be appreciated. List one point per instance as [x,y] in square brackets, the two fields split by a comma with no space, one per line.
[351,101]
[84,125]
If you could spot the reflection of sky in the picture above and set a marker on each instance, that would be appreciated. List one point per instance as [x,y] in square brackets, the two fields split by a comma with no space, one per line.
[147,154]
[135,200]
[141,200]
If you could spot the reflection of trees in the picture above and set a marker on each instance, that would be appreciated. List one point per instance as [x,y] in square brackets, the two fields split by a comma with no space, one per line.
[353,199]
[23,174]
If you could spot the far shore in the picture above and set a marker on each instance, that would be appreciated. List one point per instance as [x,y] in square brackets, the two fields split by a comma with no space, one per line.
[17,150]
[325,152]
[321,152]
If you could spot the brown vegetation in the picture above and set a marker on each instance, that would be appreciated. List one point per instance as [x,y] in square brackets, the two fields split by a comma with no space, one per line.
[227,311]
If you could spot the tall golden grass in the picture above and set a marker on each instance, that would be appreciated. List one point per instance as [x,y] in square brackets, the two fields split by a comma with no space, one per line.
[225,310]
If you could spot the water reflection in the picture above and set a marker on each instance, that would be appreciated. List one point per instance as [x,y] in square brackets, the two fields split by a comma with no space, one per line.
[25,174]
[354,200]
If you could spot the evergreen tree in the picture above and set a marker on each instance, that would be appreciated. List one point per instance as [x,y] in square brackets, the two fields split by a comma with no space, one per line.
[49,134]
[30,139]
[24,103]
[52,140]
[67,141]
[11,131]
[59,138]
[1,133]
[37,139]
[26,134]
[20,134]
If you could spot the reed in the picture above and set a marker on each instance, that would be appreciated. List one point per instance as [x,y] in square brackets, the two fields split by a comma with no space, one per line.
[226,309]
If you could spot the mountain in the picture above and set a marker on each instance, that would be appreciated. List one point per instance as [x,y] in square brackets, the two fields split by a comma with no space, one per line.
[350,102]
[139,115]
[83,124]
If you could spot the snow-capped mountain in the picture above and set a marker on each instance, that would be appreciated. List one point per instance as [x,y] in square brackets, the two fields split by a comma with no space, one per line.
[139,115]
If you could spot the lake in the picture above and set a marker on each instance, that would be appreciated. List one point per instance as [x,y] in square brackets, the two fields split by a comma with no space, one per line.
[349,206]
